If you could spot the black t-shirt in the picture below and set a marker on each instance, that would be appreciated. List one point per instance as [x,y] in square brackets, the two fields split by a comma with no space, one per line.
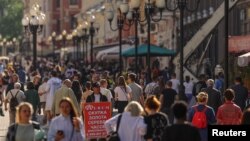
[181,132]
[155,125]
[198,87]
[168,97]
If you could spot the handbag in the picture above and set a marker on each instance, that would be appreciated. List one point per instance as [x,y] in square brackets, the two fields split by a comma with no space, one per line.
[1,112]
[116,104]
[114,135]
[127,96]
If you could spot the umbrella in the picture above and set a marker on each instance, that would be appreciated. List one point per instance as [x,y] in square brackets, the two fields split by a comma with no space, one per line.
[143,50]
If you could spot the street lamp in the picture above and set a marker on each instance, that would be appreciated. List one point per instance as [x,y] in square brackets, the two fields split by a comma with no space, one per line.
[74,38]
[182,6]
[78,41]
[134,16]
[123,9]
[64,37]
[85,39]
[9,46]
[14,41]
[52,38]
[226,10]
[33,23]
[94,27]
[69,37]
[3,45]
[83,31]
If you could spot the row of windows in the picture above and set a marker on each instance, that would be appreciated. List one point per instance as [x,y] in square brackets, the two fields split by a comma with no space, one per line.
[71,2]
[73,23]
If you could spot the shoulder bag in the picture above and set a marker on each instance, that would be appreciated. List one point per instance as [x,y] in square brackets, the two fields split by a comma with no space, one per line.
[114,135]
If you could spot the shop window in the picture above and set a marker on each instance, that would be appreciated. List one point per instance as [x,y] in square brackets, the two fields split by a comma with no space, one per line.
[58,3]
[73,2]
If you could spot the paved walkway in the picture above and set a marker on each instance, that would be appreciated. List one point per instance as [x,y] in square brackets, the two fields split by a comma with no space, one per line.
[4,124]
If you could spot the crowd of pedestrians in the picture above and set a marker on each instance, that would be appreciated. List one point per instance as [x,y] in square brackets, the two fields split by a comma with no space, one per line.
[147,110]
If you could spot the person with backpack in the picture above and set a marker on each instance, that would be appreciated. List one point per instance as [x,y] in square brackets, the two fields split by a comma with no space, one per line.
[14,97]
[25,129]
[201,115]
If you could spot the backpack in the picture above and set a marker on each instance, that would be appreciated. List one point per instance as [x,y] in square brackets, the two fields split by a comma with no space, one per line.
[200,119]
[13,101]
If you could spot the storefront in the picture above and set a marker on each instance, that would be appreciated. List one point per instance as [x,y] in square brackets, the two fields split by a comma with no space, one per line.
[239,49]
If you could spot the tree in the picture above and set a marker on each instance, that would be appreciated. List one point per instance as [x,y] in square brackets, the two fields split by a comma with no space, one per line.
[11,13]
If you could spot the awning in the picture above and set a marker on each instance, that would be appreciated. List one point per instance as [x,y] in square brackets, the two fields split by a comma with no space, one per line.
[243,60]
[143,50]
[112,53]
[4,58]
[239,44]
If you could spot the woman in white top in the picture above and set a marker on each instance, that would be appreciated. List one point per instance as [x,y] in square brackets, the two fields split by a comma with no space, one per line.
[122,94]
[188,88]
[132,126]
[67,126]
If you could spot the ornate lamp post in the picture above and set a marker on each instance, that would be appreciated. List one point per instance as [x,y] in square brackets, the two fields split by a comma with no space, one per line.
[53,39]
[134,16]
[85,39]
[9,45]
[182,5]
[14,41]
[64,38]
[123,9]
[226,9]
[150,8]
[79,38]
[94,27]
[74,38]
[33,23]
[3,45]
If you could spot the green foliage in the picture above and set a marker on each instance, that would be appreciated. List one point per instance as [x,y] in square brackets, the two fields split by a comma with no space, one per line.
[11,13]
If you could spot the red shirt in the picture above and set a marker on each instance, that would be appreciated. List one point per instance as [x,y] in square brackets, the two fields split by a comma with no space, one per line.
[229,114]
